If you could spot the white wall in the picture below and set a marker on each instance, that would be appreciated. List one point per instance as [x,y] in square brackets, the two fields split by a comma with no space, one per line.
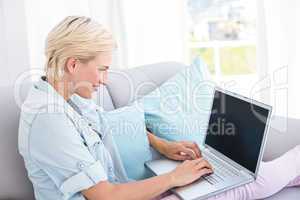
[13,40]
[293,37]
[2,45]
[146,31]
[283,41]
[156,31]
[24,25]
[41,16]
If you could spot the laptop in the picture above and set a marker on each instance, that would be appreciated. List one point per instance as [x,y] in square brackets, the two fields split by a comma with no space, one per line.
[234,144]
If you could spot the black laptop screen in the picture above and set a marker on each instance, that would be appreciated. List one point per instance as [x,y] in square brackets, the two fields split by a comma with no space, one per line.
[236,129]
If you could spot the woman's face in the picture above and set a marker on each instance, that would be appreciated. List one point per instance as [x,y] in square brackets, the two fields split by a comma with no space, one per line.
[88,76]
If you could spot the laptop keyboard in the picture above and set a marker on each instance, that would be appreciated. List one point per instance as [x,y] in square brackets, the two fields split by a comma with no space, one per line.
[221,172]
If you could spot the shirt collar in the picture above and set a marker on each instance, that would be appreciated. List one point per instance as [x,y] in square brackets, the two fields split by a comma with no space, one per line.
[42,84]
[83,103]
[55,102]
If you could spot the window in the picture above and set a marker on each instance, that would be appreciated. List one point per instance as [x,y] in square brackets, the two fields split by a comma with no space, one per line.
[224,34]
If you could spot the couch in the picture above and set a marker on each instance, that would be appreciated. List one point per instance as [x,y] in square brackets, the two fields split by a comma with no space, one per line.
[123,87]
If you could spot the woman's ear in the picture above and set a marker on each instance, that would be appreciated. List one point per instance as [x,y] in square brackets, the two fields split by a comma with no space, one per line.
[71,65]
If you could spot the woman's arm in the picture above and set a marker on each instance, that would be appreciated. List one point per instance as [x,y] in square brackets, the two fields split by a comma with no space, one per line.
[175,150]
[146,189]
[185,173]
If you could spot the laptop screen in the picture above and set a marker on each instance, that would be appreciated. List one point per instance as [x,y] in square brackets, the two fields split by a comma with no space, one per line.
[236,129]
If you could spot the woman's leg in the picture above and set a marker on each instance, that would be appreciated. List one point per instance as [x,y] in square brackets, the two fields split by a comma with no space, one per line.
[273,177]
[295,182]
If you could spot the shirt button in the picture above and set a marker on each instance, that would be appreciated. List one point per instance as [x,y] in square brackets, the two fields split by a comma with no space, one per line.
[110,169]
[80,165]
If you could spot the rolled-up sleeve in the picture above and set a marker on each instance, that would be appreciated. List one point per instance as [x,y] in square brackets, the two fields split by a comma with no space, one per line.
[59,150]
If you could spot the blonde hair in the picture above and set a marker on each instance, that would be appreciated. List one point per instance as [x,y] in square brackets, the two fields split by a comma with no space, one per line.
[78,37]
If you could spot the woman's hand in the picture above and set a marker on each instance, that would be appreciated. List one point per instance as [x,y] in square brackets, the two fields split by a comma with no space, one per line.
[180,150]
[190,171]
[175,150]
[185,173]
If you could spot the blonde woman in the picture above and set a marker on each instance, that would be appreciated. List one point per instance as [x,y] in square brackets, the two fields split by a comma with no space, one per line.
[66,159]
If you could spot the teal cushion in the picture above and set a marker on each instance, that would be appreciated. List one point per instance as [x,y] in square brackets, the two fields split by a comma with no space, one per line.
[179,109]
[127,125]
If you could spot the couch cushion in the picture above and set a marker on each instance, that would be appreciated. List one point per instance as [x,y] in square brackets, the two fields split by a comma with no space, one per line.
[125,86]
[284,135]
[102,98]
[127,125]
[180,108]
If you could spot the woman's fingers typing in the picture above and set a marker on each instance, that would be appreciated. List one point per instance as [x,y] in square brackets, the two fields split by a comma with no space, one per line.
[188,153]
[191,170]
[194,147]
[202,163]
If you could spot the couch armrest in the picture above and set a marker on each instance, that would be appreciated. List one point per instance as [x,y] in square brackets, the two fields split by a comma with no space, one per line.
[284,135]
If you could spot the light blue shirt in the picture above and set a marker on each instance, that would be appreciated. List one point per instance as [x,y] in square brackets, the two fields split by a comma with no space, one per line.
[90,111]
[62,150]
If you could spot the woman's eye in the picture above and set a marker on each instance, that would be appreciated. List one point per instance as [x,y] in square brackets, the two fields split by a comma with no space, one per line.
[101,69]
[104,68]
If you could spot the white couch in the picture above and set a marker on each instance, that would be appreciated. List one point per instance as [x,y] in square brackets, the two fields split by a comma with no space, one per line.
[122,88]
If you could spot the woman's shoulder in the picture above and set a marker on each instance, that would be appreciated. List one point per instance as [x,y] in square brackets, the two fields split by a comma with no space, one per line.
[44,129]
[34,100]
[43,101]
